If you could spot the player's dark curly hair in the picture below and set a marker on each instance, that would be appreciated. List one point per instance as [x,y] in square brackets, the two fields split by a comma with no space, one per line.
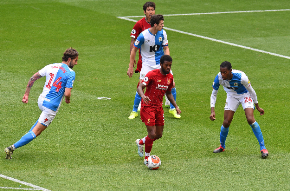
[70,53]
[155,19]
[165,58]
[226,64]
[148,4]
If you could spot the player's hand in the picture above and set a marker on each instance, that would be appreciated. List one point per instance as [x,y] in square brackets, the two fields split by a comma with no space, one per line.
[25,98]
[67,100]
[178,110]
[146,99]
[130,72]
[212,116]
[261,111]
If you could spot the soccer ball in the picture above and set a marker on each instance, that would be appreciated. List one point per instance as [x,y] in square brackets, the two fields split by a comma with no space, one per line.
[153,162]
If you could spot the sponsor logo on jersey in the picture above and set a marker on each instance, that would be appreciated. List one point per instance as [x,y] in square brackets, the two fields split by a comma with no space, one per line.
[154,48]
[162,87]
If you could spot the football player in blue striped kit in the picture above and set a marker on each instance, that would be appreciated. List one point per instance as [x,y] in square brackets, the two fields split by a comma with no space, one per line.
[153,44]
[59,82]
[239,92]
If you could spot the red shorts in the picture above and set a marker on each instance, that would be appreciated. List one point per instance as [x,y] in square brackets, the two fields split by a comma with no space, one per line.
[152,116]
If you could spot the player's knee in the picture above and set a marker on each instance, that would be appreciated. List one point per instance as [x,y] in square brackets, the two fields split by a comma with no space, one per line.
[250,119]
[151,134]
[227,123]
[158,136]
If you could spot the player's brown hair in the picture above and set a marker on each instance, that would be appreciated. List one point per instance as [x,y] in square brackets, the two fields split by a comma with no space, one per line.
[70,53]
[148,4]
[155,19]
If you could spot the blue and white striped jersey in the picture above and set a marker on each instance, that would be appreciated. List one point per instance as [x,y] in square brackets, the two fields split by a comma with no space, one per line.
[237,85]
[151,47]
[58,77]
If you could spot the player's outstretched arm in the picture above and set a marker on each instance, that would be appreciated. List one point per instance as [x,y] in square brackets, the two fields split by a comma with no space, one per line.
[31,81]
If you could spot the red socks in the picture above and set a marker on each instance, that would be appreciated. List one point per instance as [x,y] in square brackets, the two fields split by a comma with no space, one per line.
[148,144]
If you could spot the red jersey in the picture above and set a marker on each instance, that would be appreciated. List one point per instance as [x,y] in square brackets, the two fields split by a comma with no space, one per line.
[140,26]
[156,86]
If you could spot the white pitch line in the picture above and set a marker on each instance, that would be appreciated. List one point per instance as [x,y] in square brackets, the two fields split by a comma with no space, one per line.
[228,43]
[216,13]
[22,182]
[216,40]
[11,188]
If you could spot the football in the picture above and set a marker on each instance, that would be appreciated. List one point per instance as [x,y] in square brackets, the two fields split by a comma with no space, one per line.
[153,162]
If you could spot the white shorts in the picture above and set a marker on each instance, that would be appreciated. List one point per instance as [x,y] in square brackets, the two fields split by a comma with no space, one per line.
[145,69]
[233,101]
[47,115]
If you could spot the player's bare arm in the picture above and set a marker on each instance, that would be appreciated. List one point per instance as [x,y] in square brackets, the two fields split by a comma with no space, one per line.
[131,47]
[262,112]
[31,81]
[166,50]
[171,99]
[132,59]
[140,91]
[67,95]
[212,115]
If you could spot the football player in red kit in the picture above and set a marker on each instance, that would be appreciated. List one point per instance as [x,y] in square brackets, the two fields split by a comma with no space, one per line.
[158,82]
[141,25]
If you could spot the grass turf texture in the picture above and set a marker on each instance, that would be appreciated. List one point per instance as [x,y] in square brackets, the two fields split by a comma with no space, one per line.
[90,144]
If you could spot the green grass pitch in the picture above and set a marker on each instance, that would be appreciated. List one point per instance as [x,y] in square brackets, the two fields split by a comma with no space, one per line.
[90,144]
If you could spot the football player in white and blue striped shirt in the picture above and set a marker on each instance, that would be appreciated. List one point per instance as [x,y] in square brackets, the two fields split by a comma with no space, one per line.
[59,82]
[239,92]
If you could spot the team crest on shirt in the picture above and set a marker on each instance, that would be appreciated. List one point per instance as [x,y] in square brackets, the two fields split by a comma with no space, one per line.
[158,80]
[160,39]
[168,81]
[235,84]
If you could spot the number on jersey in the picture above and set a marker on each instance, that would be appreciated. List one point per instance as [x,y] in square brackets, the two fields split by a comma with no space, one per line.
[56,83]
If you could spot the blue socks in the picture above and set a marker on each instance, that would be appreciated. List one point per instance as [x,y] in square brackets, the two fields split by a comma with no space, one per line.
[25,139]
[136,102]
[223,136]
[173,91]
[258,133]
